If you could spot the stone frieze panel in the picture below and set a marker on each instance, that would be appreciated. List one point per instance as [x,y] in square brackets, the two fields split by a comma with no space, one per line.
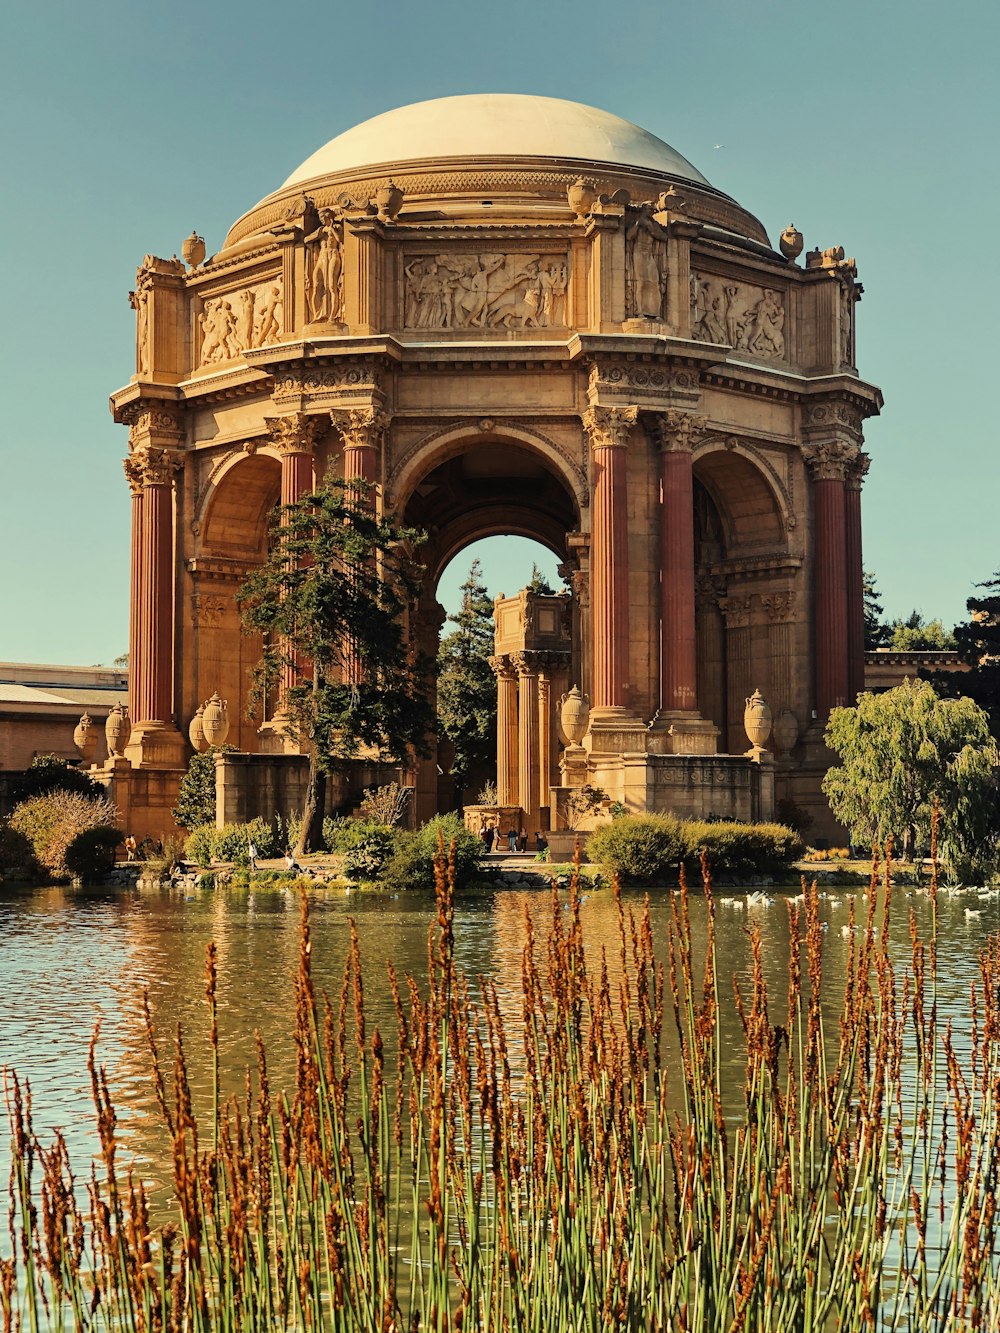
[748,318]
[485,291]
[231,322]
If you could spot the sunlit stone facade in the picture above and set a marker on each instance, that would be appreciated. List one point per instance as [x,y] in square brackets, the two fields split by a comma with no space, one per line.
[516,315]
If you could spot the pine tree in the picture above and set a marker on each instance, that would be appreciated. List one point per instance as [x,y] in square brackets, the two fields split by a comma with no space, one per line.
[330,603]
[978,643]
[876,631]
[467,691]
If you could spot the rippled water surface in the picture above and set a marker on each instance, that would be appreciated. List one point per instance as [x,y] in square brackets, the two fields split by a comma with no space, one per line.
[71,958]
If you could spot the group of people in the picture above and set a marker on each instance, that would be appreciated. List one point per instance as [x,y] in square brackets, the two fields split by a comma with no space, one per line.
[516,839]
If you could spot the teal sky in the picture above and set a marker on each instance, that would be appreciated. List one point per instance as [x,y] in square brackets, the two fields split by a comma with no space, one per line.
[869,125]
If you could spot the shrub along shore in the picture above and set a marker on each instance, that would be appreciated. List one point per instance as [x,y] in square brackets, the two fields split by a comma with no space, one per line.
[566,1164]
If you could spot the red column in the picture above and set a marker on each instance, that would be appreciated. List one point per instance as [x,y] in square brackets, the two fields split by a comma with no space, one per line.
[151,657]
[135,633]
[608,429]
[296,474]
[678,658]
[855,579]
[362,430]
[830,576]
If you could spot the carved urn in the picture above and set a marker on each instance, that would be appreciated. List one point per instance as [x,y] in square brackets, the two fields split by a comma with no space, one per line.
[215,720]
[196,730]
[389,199]
[580,196]
[193,250]
[757,722]
[85,738]
[574,715]
[790,242]
[117,730]
[786,730]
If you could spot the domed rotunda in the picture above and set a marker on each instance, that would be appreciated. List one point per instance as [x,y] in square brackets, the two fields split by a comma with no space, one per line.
[513,315]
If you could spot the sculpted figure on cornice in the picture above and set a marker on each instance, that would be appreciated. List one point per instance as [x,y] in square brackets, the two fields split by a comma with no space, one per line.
[325,269]
[459,291]
[255,321]
[750,319]
[645,264]
[138,301]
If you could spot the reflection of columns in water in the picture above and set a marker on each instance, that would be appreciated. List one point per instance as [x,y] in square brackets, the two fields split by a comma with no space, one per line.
[507,786]
[736,610]
[527,738]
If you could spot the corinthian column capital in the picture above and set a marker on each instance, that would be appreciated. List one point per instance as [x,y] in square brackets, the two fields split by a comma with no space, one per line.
[857,471]
[150,467]
[361,427]
[675,430]
[608,427]
[832,460]
[296,433]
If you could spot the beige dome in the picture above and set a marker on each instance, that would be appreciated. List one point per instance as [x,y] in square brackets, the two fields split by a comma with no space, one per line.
[494,125]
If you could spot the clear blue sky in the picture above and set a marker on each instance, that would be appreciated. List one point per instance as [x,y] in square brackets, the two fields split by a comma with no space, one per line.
[869,125]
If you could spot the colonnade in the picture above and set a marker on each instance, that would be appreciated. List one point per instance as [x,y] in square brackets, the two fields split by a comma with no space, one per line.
[528,685]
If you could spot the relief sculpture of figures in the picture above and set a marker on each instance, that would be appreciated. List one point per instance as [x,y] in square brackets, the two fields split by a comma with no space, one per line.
[645,264]
[268,327]
[750,319]
[139,302]
[231,324]
[485,291]
[325,269]
[218,324]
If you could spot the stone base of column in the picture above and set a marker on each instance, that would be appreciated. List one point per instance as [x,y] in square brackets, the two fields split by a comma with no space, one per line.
[616,731]
[682,731]
[325,328]
[157,745]
[652,326]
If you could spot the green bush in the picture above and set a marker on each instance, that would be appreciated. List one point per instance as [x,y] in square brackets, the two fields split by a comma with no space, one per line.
[198,844]
[91,855]
[196,794]
[740,849]
[47,773]
[17,855]
[412,866]
[53,821]
[335,829]
[639,849]
[364,848]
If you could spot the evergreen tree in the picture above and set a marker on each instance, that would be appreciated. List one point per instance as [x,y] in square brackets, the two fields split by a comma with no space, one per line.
[329,602]
[467,690]
[876,631]
[900,752]
[915,634]
[978,643]
[196,795]
[539,584]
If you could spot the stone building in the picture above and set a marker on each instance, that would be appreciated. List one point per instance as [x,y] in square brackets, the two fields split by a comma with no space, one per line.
[515,315]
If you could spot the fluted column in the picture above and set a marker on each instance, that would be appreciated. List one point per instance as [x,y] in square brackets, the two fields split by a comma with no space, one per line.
[527,738]
[507,784]
[855,578]
[295,437]
[608,429]
[134,475]
[544,738]
[828,463]
[150,473]
[677,432]
[363,431]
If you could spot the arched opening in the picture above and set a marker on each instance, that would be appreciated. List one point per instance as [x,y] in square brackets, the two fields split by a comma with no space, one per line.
[480,495]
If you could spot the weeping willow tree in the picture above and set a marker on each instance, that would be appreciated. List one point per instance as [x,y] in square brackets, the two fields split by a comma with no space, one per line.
[330,603]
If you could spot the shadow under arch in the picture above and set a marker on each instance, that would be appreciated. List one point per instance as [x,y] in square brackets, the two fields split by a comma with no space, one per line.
[237,505]
[752,503]
[476,485]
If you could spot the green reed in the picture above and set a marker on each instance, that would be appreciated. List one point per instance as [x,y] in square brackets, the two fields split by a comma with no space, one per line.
[570,1167]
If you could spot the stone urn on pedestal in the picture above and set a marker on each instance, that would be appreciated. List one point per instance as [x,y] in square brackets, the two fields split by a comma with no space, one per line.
[581,196]
[757,724]
[573,718]
[215,720]
[196,730]
[117,730]
[85,738]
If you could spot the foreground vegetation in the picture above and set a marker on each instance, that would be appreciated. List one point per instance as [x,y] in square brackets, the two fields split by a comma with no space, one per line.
[559,1161]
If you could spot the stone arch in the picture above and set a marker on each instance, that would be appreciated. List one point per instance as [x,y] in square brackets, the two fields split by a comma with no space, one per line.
[424,455]
[241,493]
[753,504]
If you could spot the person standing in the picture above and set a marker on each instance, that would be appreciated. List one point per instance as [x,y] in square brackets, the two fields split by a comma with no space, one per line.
[512,839]
[251,854]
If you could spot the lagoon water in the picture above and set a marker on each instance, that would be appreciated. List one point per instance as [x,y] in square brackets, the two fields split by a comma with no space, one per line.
[70,959]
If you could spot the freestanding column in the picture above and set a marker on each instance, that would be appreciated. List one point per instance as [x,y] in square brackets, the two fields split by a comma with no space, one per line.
[544,738]
[527,739]
[363,430]
[678,432]
[150,476]
[133,472]
[829,463]
[507,787]
[855,578]
[608,429]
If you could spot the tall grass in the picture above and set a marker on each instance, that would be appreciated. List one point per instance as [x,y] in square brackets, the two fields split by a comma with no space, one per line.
[565,1171]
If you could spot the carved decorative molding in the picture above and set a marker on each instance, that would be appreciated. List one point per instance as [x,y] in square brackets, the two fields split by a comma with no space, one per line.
[608,427]
[830,460]
[360,376]
[361,426]
[676,431]
[858,470]
[490,291]
[736,610]
[778,605]
[833,412]
[144,418]
[503,667]
[207,611]
[748,318]
[621,375]
[150,467]
[296,433]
